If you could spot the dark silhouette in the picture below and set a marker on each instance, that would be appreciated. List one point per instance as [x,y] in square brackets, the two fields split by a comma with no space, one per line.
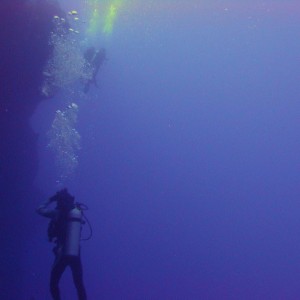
[64,229]
[94,60]
[24,33]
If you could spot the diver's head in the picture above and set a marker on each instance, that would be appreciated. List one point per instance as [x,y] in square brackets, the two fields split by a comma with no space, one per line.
[64,200]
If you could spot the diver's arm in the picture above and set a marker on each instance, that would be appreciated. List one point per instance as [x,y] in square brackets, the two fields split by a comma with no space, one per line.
[44,211]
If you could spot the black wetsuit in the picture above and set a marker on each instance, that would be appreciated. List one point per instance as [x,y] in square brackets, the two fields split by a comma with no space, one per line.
[59,266]
[94,60]
[61,260]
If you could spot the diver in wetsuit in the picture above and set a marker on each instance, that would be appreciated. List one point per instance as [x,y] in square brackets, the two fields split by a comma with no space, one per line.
[94,60]
[64,228]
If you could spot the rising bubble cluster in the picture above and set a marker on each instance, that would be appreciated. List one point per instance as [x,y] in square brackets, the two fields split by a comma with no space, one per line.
[67,64]
[64,141]
[64,73]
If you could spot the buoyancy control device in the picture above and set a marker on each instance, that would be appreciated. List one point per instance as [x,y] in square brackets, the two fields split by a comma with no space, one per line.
[73,232]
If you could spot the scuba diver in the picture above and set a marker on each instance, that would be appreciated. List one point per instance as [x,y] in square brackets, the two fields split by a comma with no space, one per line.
[65,230]
[94,59]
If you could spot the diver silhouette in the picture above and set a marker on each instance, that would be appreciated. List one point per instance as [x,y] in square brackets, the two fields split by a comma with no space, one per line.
[94,60]
[64,229]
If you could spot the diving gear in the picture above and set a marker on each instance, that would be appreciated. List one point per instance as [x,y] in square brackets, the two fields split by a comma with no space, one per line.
[73,231]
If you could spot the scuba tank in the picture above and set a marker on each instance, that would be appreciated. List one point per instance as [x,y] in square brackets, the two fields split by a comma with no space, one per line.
[73,232]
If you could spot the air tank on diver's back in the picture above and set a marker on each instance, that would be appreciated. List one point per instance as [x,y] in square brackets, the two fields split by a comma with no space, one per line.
[73,233]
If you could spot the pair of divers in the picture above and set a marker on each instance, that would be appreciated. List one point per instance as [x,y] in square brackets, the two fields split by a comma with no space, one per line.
[94,60]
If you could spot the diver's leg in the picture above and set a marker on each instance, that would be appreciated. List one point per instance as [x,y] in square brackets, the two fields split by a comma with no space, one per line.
[57,270]
[76,268]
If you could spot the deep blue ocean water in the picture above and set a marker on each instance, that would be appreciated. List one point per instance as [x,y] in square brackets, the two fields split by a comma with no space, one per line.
[189,157]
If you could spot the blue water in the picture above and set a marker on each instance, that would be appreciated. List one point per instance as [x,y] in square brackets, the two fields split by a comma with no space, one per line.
[190,156]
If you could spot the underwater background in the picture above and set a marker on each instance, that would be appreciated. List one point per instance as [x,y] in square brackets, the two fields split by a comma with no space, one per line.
[185,148]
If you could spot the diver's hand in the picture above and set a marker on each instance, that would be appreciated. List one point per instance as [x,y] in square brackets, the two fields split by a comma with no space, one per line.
[43,209]
[44,206]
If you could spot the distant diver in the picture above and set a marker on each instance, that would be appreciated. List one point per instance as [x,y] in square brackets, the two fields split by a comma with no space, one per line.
[65,230]
[94,60]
